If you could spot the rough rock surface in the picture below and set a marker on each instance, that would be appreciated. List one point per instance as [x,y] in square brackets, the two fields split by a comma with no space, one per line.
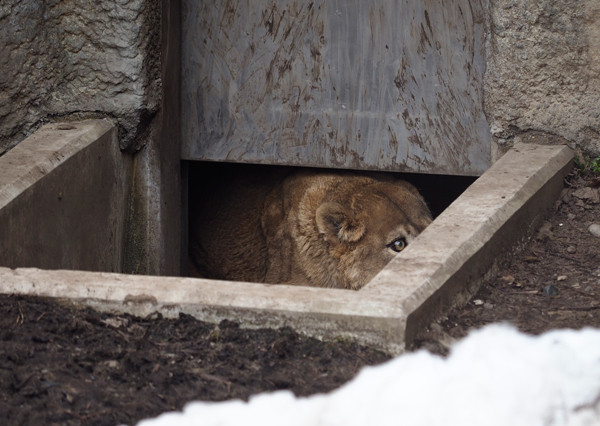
[543,62]
[92,59]
[56,60]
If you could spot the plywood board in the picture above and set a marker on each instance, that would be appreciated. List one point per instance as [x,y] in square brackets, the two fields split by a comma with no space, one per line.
[377,84]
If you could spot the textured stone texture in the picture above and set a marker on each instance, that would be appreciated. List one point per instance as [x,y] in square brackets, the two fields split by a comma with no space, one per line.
[65,60]
[60,58]
[543,68]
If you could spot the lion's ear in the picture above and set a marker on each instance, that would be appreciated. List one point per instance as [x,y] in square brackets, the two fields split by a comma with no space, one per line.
[339,223]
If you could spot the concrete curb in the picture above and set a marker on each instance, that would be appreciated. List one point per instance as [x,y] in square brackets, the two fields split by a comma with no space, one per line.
[63,193]
[442,267]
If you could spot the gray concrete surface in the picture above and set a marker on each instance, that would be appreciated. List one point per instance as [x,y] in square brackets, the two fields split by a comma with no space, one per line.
[155,226]
[60,62]
[63,193]
[442,267]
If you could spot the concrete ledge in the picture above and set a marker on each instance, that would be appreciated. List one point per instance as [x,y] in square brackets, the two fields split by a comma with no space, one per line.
[500,209]
[441,267]
[62,198]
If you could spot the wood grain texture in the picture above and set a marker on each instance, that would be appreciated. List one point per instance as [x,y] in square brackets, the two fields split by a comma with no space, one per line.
[378,84]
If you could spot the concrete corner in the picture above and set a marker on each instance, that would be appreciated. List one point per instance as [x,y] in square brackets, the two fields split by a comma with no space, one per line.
[62,195]
[441,268]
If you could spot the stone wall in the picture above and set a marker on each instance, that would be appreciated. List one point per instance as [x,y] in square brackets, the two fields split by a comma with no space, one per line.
[60,58]
[65,58]
[543,72]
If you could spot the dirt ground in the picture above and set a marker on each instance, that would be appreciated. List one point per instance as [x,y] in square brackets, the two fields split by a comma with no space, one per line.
[61,365]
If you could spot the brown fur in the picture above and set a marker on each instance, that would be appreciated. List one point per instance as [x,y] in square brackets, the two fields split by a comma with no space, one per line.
[312,228]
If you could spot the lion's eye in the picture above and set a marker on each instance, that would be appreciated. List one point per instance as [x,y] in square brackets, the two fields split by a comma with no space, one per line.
[397,245]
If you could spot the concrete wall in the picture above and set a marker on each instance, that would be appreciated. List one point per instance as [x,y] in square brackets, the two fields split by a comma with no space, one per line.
[61,59]
[543,72]
[64,60]
[63,191]
[154,228]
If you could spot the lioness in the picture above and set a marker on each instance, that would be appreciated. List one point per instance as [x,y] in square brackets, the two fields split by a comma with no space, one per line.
[326,229]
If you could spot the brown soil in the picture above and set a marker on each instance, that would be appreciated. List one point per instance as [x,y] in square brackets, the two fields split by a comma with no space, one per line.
[62,365]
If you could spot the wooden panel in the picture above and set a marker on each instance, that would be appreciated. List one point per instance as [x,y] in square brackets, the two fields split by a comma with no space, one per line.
[387,85]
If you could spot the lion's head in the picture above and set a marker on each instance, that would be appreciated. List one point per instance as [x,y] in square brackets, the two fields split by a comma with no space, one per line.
[345,227]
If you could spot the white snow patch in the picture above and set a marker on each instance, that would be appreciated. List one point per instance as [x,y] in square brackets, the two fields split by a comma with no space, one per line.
[495,376]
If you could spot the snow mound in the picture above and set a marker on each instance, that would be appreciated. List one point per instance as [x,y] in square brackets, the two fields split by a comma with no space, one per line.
[495,376]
